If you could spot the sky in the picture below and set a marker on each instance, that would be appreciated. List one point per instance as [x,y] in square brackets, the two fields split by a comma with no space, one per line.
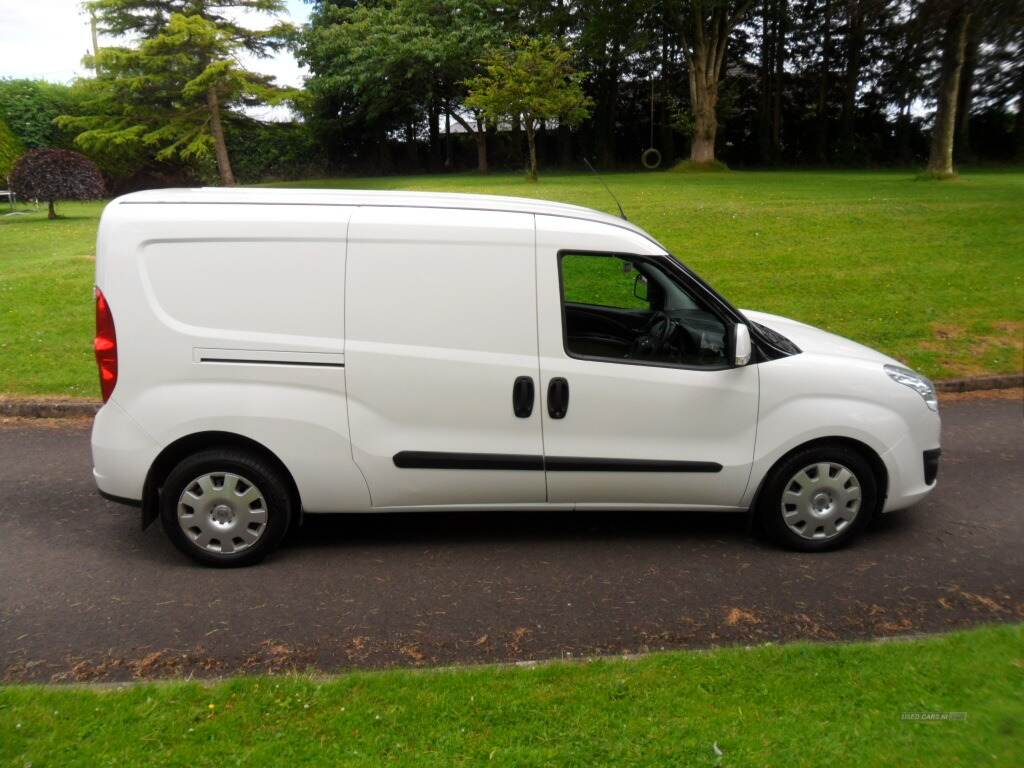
[46,39]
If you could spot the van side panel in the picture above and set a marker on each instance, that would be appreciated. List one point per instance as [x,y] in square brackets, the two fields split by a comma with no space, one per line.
[231,318]
[441,320]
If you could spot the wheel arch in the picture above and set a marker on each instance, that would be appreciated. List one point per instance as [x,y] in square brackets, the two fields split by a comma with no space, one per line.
[866,451]
[184,446]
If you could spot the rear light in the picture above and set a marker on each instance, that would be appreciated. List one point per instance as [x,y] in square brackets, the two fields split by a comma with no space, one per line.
[105,345]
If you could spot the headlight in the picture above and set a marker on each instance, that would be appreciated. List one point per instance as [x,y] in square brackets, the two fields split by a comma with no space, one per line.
[916,382]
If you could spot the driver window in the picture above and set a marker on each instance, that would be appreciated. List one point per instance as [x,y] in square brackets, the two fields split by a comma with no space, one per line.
[620,309]
[603,281]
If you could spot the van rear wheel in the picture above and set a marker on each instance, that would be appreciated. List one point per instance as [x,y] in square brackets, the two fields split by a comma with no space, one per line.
[819,498]
[225,507]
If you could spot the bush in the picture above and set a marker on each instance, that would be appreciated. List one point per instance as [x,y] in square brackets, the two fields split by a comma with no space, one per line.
[29,108]
[56,174]
[10,150]
[273,151]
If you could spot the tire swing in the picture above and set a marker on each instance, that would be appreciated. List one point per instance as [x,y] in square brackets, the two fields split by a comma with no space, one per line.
[651,158]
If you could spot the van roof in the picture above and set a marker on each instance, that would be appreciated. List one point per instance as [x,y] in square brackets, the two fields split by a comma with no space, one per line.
[357,197]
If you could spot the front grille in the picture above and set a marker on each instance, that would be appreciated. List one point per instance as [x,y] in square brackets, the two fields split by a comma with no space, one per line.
[931,465]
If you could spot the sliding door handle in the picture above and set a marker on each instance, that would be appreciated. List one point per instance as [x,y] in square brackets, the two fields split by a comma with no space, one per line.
[558,398]
[522,397]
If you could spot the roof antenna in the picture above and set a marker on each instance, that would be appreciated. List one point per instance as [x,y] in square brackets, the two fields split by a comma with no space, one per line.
[622,213]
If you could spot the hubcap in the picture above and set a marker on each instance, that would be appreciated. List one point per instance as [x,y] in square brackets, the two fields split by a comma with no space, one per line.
[821,500]
[222,512]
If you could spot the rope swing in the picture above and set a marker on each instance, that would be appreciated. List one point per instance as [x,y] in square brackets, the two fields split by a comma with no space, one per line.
[651,158]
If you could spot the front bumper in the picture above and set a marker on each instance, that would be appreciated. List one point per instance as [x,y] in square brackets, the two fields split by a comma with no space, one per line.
[912,466]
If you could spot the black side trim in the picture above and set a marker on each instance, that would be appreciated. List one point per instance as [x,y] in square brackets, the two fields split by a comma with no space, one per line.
[443,460]
[269,362]
[119,499]
[583,464]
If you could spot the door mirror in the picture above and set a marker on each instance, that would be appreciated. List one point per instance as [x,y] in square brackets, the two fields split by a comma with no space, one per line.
[742,347]
[640,287]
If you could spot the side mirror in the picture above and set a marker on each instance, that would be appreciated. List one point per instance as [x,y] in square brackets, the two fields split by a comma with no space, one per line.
[742,345]
[640,287]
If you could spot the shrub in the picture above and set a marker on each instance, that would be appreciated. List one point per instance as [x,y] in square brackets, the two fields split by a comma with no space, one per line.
[29,108]
[273,151]
[10,150]
[56,174]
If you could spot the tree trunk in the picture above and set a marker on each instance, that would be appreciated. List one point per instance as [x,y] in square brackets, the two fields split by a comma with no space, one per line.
[1018,124]
[766,68]
[962,150]
[704,95]
[940,160]
[564,145]
[481,150]
[411,151]
[781,8]
[707,38]
[668,149]
[95,41]
[385,160]
[903,130]
[220,148]
[51,213]
[854,56]
[517,138]
[447,137]
[434,136]
[609,116]
[704,101]
[821,117]
[490,131]
[531,140]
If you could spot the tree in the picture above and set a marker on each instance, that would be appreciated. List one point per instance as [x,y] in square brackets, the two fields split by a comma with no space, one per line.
[954,42]
[171,92]
[532,81]
[773,54]
[56,174]
[706,26]
[608,43]
[999,77]
[399,59]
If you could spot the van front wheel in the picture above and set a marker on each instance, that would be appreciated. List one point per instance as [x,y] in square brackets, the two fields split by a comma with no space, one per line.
[819,498]
[225,507]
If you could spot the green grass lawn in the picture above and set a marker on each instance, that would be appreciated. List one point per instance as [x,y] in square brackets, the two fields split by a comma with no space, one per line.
[931,273]
[796,705]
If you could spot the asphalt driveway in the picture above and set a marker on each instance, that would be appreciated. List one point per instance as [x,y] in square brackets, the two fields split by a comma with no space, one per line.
[84,594]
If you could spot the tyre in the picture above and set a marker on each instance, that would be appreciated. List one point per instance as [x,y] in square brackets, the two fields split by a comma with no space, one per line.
[819,498]
[225,507]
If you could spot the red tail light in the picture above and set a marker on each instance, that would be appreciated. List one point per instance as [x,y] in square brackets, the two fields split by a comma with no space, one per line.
[105,345]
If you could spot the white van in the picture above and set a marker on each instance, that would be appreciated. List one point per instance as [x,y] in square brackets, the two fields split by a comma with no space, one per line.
[269,353]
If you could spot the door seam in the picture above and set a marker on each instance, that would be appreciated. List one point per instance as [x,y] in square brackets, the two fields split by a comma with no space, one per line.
[541,392]
[344,346]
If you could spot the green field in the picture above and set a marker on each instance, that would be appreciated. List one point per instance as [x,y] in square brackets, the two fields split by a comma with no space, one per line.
[931,273]
[796,705]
